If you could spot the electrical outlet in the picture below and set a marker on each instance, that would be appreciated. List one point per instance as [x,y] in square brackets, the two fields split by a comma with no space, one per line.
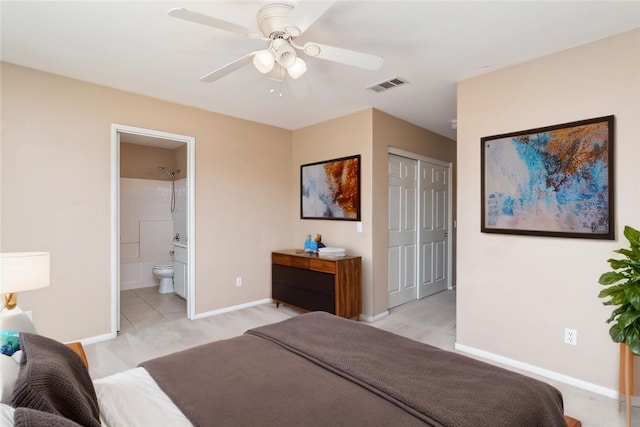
[570,336]
[238,281]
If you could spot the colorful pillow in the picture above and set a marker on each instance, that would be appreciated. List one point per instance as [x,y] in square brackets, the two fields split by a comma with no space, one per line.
[10,365]
[9,342]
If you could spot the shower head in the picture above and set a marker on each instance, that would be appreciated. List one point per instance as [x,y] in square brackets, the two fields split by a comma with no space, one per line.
[165,170]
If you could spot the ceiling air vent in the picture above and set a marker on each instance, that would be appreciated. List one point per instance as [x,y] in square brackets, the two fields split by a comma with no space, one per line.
[388,84]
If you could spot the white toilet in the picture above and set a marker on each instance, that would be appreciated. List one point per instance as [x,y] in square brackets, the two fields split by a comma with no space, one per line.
[165,273]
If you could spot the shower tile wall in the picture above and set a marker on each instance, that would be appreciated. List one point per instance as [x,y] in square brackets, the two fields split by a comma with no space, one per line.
[146,230]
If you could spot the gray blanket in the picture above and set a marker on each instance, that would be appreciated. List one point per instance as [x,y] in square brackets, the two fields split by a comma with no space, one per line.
[53,386]
[319,369]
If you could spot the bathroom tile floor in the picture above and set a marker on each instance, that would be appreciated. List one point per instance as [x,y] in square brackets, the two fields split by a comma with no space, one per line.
[146,306]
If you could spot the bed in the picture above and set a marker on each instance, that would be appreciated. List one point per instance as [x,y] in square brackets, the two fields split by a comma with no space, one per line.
[315,369]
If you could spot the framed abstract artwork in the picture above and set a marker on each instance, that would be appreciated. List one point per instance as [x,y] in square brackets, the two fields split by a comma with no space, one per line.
[551,181]
[331,189]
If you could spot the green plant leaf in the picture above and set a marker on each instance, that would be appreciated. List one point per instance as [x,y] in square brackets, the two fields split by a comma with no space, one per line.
[634,297]
[616,313]
[617,296]
[610,277]
[627,318]
[632,235]
[628,253]
[624,264]
[623,291]
[612,291]
[618,264]
[632,339]
[616,333]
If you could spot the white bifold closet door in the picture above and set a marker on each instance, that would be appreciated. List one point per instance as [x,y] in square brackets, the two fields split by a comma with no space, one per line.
[417,248]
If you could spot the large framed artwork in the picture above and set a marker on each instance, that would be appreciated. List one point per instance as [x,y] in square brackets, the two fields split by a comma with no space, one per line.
[331,189]
[551,181]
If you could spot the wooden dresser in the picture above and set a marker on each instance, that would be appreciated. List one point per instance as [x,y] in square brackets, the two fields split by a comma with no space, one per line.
[309,282]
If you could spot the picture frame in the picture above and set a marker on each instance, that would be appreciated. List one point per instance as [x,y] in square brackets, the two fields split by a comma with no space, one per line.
[330,189]
[555,181]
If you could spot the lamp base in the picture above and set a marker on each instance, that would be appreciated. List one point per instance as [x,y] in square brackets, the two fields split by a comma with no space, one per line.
[10,300]
[16,320]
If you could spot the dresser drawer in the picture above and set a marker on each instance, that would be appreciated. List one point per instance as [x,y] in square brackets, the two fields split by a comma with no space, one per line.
[298,297]
[324,265]
[310,281]
[293,261]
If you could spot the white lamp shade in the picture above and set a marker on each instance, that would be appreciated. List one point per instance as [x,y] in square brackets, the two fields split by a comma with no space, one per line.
[264,60]
[23,271]
[286,56]
[297,69]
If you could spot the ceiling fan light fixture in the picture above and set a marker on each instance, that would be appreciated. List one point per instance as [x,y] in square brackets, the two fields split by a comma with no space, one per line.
[298,68]
[286,56]
[264,60]
[280,24]
[278,73]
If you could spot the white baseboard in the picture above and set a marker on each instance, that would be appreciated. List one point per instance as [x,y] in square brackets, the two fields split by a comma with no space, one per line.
[233,308]
[594,388]
[96,339]
[371,319]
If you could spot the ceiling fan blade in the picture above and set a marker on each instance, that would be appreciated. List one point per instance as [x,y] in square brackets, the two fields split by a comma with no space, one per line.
[227,69]
[305,14]
[343,56]
[210,21]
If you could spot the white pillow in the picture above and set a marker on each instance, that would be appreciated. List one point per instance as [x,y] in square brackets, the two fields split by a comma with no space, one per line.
[9,368]
[6,415]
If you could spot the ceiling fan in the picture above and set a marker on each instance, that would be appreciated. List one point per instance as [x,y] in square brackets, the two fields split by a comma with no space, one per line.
[280,24]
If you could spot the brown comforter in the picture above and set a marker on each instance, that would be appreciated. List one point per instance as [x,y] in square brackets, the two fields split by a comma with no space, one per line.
[319,369]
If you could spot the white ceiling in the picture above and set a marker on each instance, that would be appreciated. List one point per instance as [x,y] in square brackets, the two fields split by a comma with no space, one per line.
[136,46]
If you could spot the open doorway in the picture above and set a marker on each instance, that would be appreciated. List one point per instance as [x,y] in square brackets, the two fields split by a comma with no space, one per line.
[153,223]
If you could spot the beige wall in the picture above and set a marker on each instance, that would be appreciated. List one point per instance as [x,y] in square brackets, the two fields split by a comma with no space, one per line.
[55,174]
[369,133]
[142,161]
[341,137]
[516,294]
[180,158]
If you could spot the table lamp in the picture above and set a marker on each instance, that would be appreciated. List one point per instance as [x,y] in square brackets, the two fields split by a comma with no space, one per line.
[19,272]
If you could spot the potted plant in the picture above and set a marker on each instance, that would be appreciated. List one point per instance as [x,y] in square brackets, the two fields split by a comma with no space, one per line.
[623,291]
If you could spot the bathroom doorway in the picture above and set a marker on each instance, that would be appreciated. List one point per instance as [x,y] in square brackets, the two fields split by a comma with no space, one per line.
[153,218]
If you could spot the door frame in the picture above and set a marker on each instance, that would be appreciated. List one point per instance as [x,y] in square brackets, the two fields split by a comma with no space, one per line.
[449,166]
[116,129]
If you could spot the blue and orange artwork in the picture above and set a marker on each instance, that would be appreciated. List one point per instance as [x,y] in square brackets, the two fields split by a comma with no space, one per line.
[553,181]
[331,189]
